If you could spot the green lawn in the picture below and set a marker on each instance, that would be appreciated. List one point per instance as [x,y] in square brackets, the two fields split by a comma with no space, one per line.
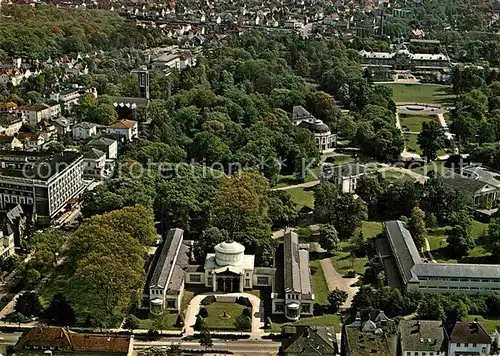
[149,322]
[302,197]
[371,228]
[343,261]
[318,283]
[325,320]
[437,240]
[488,323]
[437,166]
[421,93]
[394,175]
[412,145]
[286,180]
[215,312]
[414,122]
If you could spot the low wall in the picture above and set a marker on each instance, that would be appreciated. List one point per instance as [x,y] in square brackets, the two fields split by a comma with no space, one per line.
[225,299]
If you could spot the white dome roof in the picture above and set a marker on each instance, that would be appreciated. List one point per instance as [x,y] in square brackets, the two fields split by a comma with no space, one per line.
[231,247]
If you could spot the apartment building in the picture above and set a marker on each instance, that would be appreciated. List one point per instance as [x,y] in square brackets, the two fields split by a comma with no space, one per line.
[44,182]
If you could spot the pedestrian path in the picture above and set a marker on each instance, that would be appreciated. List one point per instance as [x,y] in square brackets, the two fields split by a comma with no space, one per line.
[335,280]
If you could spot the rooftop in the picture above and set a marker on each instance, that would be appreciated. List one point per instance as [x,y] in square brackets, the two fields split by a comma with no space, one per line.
[319,340]
[35,165]
[422,335]
[68,341]
[463,332]
[167,257]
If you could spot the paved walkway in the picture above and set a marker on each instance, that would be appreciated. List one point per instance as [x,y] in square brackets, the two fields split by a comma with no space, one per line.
[301,185]
[428,250]
[336,280]
[419,177]
[257,312]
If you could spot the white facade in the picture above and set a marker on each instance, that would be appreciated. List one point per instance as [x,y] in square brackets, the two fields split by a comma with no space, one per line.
[127,128]
[7,246]
[462,349]
[84,131]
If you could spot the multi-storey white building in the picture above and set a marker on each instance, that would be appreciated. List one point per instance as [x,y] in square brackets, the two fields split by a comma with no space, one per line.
[45,182]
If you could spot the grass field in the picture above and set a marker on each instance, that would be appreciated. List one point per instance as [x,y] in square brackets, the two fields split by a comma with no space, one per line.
[489,324]
[302,197]
[318,283]
[371,228]
[414,122]
[325,320]
[421,93]
[149,322]
[394,175]
[412,145]
[437,241]
[216,310]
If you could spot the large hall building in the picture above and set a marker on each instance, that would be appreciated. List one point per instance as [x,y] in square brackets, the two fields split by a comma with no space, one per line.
[228,270]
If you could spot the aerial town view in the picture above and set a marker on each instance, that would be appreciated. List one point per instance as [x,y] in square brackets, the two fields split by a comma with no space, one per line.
[250,178]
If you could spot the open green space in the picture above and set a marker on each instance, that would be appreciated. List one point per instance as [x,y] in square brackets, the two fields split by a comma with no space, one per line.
[396,175]
[302,197]
[216,310]
[343,261]
[371,228]
[421,93]
[437,241]
[412,144]
[435,166]
[324,320]
[286,180]
[149,323]
[489,323]
[318,283]
[414,122]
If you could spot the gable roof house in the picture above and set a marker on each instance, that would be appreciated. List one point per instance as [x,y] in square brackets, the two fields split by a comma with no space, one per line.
[61,341]
[127,128]
[467,339]
[419,337]
[371,333]
[311,341]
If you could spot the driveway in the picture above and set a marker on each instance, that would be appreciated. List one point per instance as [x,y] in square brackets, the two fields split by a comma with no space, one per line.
[257,312]
[336,280]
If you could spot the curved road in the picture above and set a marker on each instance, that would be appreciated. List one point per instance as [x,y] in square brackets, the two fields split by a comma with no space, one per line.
[194,308]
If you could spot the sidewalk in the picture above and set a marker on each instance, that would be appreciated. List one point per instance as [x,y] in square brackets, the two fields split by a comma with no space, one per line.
[257,314]
[336,280]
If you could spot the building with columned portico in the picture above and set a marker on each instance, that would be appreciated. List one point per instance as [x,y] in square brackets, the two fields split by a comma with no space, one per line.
[229,270]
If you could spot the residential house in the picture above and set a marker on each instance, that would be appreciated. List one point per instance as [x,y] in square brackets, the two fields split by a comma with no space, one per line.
[166,61]
[63,126]
[344,176]
[61,341]
[10,143]
[422,337]
[32,141]
[84,130]
[67,98]
[9,123]
[127,128]
[94,165]
[371,333]
[16,219]
[48,131]
[7,246]
[33,114]
[310,341]
[466,338]
[107,145]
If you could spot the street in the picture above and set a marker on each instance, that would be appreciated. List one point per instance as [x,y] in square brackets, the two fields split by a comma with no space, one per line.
[238,347]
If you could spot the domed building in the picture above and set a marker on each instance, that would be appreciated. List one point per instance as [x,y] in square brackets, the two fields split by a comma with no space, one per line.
[320,130]
[229,270]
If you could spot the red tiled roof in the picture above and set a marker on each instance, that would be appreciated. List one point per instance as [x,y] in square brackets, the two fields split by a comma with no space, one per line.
[69,341]
[122,124]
